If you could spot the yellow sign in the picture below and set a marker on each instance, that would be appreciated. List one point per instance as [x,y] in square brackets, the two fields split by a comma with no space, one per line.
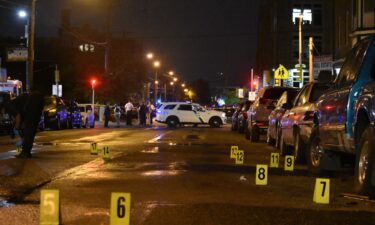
[94,148]
[261,175]
[49,207]
[289,163]
[240,155]
[120,209]
[321,191]
[233,151]
[18,151]
[277,82]
[274,162]
[281,73]
[106,153]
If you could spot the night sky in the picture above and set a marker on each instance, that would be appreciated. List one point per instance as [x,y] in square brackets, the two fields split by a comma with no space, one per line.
[196,38]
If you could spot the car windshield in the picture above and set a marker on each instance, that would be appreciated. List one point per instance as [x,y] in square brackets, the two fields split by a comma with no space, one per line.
[274,93]
[317,91]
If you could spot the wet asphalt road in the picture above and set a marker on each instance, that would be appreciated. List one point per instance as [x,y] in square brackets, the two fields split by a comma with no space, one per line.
[180,176]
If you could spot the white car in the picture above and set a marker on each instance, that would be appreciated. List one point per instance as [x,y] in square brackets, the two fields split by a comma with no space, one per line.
[174,113]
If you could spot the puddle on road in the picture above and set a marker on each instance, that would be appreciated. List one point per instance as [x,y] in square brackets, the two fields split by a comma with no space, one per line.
[5,204]
[151,150]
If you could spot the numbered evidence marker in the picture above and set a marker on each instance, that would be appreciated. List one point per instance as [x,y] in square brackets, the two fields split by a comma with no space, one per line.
[289,163]
[49,207]
[240,155]
[321,191]
[274,162]
[120,209]
[261,175]
[233,151]
[18,151]
[106,153]
[94,148]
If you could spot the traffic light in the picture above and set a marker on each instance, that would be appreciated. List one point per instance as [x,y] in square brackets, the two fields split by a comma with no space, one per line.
[255,85]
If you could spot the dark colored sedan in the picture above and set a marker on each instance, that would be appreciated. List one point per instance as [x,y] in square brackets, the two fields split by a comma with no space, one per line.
[285,102]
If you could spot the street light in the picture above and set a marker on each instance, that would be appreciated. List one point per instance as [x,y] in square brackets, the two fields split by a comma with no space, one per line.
[93,82]
[150,56]
[22,14]
[156,65]
[183,85]
[171,73]
[175,79]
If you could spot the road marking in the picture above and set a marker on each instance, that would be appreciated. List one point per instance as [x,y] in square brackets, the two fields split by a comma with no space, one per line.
[156,139]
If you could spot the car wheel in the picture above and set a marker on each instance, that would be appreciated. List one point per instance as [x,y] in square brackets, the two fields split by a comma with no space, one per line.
[254,134]
[270,141]
[58,124]
[315,153]
[299,148]
[172,122]
[215,122]
[364,167]
[284,148]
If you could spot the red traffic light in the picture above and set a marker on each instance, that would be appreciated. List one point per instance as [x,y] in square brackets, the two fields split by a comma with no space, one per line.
[254,83]
[93,81]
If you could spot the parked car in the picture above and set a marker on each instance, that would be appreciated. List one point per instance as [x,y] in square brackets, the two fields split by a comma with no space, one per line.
[296,124]
[284,103]
[257,115]
[176,113]
[344,122]
[55,113]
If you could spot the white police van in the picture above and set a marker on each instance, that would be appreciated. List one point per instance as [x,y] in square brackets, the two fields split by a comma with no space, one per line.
[176,113]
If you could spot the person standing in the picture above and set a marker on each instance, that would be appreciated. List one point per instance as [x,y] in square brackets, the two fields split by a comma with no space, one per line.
[142,114]
[151,111]
[107,114]
[27,110]
[117,111]
[128,110]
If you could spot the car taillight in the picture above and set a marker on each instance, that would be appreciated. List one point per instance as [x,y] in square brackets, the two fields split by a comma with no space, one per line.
[309,115]
[244,114]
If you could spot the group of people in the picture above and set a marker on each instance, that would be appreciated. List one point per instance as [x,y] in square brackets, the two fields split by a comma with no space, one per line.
[144,111]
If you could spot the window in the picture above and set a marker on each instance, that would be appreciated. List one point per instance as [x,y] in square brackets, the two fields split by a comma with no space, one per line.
[317,15]
[302,97]
[317,91]
[282,100]
[273,93]
[169,107]
[350,69]
[185,108]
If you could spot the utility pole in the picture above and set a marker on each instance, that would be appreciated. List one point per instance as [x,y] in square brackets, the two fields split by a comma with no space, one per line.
[311,59]
[30,49]
[300,47]
[251,79]
[108,38]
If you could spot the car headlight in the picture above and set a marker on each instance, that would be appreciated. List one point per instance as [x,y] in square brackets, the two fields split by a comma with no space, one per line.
[51,112]
[223,115]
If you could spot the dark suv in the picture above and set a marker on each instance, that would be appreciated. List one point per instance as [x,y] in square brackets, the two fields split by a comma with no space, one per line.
[344,122]
[55,113]
[257,115]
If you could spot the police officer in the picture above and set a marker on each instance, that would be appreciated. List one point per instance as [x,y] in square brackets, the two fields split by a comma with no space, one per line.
[27,110]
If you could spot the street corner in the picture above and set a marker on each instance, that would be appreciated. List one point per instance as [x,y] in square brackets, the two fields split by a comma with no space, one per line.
[18,176]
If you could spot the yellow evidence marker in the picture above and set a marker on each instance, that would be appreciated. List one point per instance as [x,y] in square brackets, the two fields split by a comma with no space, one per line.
[106,153]
[289,163]
[240,155]
[233,151]
[321,191]
[49,207]
[261,175]
[274,162]
[120,208]
[94,148]
[18,151]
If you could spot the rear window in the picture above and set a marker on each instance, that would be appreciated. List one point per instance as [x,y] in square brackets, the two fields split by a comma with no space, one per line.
[292,95]
[169,107]
[317,91]
[274,93]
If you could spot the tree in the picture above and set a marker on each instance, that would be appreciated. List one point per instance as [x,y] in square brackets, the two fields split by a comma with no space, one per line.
[201,90]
